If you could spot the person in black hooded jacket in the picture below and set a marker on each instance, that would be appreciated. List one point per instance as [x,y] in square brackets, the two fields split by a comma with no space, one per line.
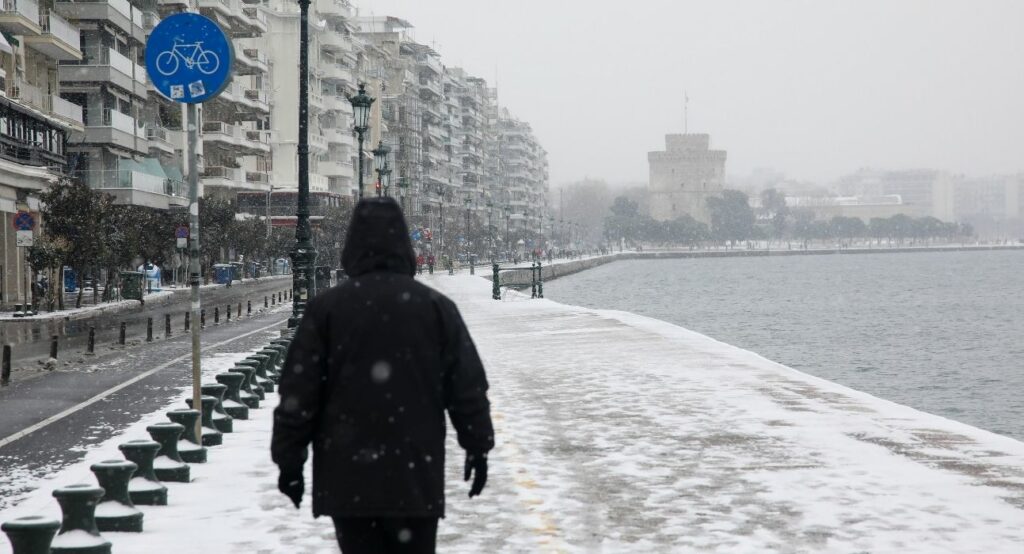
[374,365]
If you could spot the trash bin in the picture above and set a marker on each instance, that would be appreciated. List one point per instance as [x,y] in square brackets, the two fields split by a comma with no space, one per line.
[236,270]
[131,285]
[70,284]
[223,274]
[255,270]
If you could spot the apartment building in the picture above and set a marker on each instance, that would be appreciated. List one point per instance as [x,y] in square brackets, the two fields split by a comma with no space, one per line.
[523,173]
[36,124]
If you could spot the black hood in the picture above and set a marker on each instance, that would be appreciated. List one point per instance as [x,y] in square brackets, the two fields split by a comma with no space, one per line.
[378,240]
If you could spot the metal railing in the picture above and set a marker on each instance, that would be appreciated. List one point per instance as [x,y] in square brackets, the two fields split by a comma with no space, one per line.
[60,28]
[29,9]
[31,94]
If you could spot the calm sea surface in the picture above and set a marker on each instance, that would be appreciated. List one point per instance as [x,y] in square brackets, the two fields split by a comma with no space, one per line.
[942,332]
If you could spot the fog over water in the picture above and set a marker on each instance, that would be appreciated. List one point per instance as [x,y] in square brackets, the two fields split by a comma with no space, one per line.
[941,332]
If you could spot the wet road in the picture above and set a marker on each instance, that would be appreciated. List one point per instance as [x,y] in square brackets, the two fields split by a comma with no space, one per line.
[30,339]
[48,420]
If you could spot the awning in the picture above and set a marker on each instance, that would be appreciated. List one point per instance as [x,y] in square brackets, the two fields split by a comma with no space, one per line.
[5,45]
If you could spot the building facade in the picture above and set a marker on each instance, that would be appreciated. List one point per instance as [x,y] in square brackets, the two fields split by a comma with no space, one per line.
[684,176]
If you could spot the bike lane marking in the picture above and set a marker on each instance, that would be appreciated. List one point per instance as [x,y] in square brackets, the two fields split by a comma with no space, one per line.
[59,416]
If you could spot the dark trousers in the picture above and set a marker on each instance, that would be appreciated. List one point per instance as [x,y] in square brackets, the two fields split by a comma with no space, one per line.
[386,535]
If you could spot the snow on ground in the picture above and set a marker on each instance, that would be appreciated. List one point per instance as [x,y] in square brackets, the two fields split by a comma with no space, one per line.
[618,433]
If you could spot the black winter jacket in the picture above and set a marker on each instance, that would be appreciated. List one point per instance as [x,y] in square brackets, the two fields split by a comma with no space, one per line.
[373,367]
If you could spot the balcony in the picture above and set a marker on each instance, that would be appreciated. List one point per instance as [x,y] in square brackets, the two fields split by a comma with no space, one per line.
[337,73]
[251,61]
[118,13]
[332,9]
[137,188]
[59,39]
[20,17]
[223,7]
[338,136]
[220,176]
[67,111]
[161,138]
[252,22]
[317,142]
[102,64]
[259,179]
[335,168]
[114,128]
[150,20]
[30,139]
[334,41]
[256,141]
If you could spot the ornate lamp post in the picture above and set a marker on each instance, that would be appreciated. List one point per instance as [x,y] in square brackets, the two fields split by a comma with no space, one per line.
[403,187]
[380,162]
[303,254]
[361,103]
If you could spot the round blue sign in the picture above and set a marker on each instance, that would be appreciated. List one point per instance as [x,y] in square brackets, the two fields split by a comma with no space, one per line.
[189,58]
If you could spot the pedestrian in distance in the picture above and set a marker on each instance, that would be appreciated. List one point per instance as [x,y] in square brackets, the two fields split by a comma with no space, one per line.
[430,263]
[374,365]
[419,263]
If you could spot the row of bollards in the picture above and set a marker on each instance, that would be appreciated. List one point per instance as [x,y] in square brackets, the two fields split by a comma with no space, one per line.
[122,337]
[110,506]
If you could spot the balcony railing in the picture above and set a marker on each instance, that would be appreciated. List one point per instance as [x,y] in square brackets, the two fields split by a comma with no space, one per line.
[60,28]
[257,177]
[221,172]
[29,9]
[114,119]
[129,179]
[64,109]
[31,95]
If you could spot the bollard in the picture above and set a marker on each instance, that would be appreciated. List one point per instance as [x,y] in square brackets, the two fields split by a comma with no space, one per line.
[90,347]
[149,329]
[168,465]
[228,312]
[233,405]
[124,333]
[188,320]
[53,347]
[211,435]
[273,300]
[30,535]
[144,488]
[167,326]
[216,315]
[5,369]
[279,296]
[248,307]
[238,313]
[78,532]
[495,283]
[116,512]
[258,362]
[472,266]
[265,305]
[202,319]
[221,420]
[247,395]
[189,448]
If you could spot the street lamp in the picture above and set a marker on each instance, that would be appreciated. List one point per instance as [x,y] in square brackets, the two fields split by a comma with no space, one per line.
[303,254]
[361,103]
[508,219]
[380,161]
[490,230]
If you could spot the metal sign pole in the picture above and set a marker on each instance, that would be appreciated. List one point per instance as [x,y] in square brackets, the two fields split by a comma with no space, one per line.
[193,210]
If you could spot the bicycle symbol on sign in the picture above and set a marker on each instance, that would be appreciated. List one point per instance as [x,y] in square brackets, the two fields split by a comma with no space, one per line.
[192,54]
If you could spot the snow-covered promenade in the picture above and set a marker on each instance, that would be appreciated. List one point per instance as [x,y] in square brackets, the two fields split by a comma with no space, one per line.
[619,433]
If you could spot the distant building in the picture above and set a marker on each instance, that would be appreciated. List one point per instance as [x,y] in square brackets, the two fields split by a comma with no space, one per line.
[925,192]
[863,207]
[684,176]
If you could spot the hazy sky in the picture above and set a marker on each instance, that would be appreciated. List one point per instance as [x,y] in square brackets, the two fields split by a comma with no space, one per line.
[814,88]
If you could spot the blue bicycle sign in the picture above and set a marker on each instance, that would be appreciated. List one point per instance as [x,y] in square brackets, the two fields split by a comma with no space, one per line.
[189,58]
[193,55]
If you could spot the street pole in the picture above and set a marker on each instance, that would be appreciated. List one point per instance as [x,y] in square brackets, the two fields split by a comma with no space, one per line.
[359,135]
[303,254]
[193,235]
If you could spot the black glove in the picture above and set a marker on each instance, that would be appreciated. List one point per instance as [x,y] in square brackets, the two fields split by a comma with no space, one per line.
[476,465]
[290,483]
